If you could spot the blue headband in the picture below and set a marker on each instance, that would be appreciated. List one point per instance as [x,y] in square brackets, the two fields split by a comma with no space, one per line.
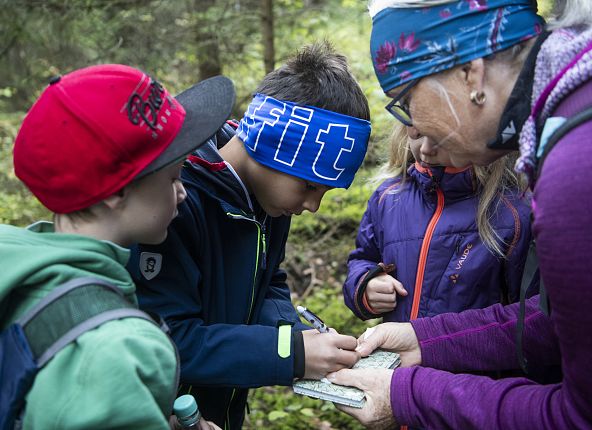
[410,43]
[308,142]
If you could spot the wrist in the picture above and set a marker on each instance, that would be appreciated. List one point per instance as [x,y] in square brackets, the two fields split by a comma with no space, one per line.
[413,350]
[367,305]
[401,393]
[361,298]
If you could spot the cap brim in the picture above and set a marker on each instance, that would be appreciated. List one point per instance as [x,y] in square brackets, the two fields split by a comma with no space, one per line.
[208,105]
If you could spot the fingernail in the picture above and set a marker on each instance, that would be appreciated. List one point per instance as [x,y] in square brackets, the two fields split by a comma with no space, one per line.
[331,377]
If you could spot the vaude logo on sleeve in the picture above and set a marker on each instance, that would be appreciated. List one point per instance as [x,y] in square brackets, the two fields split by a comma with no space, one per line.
[150,264]
[145,103]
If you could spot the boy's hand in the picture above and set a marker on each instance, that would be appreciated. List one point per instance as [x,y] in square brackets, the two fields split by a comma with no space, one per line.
[397,337]
[327,352]
[381,293]
[208,425]
[201,425]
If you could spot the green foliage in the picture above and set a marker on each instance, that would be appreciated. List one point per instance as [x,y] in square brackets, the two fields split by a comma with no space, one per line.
[341,210]
[17,205]
[544,7]
[290,411]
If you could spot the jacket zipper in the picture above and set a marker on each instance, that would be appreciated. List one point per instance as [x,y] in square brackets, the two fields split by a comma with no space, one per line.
[261,250]
[423,255]
[227,420]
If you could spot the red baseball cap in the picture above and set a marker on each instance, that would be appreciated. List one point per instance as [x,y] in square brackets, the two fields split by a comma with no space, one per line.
[93,131]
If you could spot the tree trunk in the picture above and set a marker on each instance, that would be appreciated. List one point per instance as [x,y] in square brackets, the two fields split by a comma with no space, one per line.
[267,33]
[208,51]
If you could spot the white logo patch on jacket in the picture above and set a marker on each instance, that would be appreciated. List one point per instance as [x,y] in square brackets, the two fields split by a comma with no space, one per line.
[150,264]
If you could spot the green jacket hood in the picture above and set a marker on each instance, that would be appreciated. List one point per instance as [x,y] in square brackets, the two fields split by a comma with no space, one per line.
[36,259]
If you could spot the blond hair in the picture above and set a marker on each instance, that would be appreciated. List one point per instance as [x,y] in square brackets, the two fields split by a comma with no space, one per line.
[493,182]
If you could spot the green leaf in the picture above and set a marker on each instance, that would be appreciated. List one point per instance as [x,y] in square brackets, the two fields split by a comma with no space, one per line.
[307,412]
[276,415]
[294,407]
[327,406]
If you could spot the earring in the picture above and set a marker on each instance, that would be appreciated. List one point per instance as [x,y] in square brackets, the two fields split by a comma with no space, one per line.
[478,97]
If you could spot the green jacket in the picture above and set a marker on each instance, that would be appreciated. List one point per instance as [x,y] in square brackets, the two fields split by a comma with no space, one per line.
[120,375]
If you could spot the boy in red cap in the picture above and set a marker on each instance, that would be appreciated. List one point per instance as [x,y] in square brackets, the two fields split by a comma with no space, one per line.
[102,148]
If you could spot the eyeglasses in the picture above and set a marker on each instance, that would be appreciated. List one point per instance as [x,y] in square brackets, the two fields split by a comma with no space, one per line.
[401,111]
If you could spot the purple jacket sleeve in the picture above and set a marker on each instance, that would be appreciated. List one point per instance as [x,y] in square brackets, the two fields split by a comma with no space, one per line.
[485,339]
[362,259]
[433,398]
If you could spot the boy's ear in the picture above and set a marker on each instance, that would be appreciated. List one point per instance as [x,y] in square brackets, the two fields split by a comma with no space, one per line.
[474,74]
[118,199]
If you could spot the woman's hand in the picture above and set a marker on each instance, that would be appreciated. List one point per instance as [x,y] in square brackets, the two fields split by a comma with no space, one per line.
[397,337]
[376,413]
[381,293]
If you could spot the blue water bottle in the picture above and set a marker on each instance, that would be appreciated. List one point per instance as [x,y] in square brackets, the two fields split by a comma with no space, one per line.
[186,411]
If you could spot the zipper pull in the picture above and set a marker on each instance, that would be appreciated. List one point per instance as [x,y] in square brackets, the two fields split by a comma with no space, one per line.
[435,180]
[435,183]
[264,253]
[264,243]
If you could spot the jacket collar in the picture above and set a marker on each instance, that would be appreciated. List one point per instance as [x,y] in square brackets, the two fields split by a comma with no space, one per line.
[456,184]
[518,106]
[208,171]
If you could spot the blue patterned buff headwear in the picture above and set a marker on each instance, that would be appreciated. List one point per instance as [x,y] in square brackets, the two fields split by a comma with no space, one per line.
[410,43]
[311,143]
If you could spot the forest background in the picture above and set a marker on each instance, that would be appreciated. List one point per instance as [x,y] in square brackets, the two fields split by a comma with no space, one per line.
[181,42]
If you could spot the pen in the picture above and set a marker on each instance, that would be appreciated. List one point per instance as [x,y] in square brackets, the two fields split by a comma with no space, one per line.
[313,319]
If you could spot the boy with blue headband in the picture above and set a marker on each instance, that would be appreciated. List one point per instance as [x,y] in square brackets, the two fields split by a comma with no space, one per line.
[217,279]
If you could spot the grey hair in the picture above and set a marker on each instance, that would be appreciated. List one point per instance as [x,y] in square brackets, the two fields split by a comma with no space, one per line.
[571,13]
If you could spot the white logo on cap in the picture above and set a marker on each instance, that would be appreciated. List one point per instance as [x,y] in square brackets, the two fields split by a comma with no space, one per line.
[150,264]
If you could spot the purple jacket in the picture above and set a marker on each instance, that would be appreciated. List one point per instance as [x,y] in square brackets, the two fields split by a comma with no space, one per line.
[428,230]
[484,339]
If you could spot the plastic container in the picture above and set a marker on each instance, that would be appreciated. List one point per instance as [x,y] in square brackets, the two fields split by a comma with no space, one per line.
[186,410]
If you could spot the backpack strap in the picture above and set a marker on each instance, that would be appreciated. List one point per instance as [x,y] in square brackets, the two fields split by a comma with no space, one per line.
[58,319]
[570,124]
[531,270]
[71,310]
[565,128]
[60,291]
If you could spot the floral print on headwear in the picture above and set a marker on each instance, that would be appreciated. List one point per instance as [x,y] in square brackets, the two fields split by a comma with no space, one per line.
[409,43]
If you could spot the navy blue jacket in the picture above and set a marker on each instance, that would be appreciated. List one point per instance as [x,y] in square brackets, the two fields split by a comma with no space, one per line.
[217,283]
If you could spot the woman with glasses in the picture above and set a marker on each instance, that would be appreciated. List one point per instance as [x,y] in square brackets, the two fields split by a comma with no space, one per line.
[492,78]
[436,238]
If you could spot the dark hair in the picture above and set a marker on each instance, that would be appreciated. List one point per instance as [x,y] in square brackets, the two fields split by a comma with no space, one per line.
[317,76]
